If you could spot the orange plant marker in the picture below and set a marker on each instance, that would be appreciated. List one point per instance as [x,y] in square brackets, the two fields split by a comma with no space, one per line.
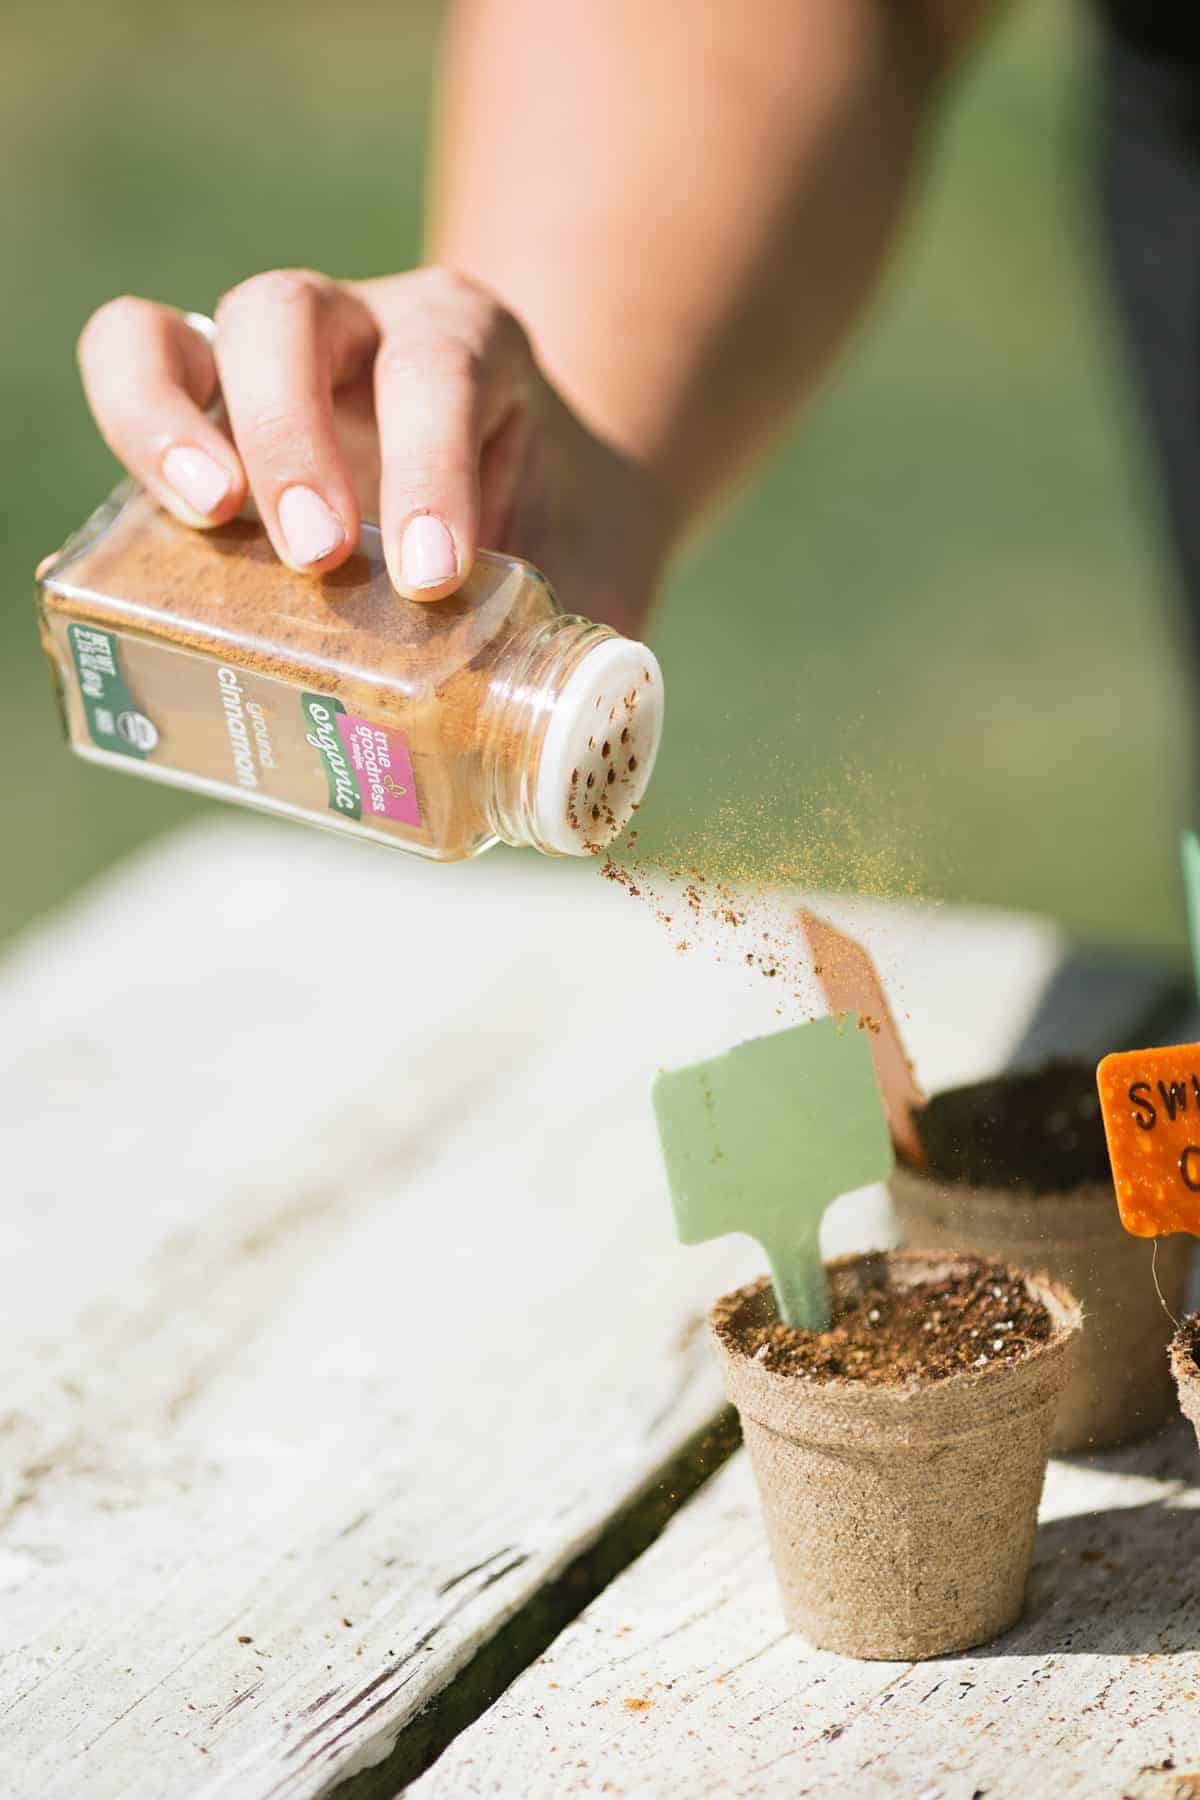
[850,983]
[1150,1100]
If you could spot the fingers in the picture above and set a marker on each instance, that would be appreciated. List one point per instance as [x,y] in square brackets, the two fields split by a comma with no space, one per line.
[284,341]
[455,387]
[148,376]
[452,371]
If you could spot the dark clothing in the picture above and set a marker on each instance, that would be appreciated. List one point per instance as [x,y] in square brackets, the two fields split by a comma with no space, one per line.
[1150,193]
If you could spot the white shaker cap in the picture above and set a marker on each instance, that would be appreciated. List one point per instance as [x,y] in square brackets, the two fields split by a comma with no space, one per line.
[599,748]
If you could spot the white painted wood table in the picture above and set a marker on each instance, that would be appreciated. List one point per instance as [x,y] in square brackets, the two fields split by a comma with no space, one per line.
[347,1354]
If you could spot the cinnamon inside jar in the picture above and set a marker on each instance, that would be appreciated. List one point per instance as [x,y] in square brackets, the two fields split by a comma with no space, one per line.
[198,658]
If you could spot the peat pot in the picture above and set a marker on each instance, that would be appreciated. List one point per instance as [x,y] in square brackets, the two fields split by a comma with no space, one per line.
[901,1518]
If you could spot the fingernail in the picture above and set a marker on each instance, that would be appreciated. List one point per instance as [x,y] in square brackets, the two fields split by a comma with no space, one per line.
[427,556]
[312,530]
[197,478]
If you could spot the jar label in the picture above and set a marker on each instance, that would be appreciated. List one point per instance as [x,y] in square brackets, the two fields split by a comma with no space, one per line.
[192,719]
[367,768]
[113,721]
[383,766]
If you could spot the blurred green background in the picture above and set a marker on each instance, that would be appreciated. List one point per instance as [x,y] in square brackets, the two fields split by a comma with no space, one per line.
[934,651]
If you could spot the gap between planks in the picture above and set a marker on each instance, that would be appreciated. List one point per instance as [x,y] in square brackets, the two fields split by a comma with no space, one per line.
[518,1644]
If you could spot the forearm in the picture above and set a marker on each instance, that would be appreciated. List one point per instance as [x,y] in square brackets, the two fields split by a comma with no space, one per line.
[686,204]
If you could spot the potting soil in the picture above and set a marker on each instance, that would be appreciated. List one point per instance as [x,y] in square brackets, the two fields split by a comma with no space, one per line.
[1041,1131]
[890,1335]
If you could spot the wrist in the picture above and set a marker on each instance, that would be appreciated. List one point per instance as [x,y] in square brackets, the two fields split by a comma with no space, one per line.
[628,528]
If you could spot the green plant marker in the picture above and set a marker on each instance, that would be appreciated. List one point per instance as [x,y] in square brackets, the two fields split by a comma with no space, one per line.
[762,1138]
[1190,851]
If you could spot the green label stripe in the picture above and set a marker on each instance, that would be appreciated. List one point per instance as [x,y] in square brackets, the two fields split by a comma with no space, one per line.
[114,722]
[320,727]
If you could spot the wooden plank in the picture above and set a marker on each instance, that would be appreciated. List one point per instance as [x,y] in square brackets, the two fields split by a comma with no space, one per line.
[681,1680]
[341,1305]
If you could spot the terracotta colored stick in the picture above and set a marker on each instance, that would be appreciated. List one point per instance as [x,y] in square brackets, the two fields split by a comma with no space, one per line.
[850,982]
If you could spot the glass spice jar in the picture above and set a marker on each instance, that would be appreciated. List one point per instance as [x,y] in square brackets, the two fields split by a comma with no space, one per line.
[199,659]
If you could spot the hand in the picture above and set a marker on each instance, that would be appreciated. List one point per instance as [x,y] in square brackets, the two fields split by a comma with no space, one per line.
[470,443]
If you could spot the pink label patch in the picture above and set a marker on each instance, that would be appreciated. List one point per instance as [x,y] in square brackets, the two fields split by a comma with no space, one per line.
[383,767]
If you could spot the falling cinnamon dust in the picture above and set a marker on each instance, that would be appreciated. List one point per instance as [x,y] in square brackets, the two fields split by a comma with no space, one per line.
[703,909]
[727,889]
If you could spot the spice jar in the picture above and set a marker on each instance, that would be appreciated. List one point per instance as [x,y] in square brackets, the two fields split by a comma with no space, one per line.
[197,658]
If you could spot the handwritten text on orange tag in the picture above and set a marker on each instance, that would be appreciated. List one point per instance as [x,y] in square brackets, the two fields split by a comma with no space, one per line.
[1151,1105]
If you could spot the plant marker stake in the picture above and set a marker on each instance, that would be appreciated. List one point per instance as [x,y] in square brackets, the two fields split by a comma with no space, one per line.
[1190,857]
[850,983]
[763,1138]
[1150,1100]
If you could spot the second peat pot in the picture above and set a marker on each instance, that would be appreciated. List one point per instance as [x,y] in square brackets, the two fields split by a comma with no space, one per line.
[1018,1170]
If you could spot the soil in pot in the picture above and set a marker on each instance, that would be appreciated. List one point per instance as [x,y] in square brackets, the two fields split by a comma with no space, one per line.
[1018,1170]
[1040,1130]
[900,1454]
[1185,1367]
[888,1335]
